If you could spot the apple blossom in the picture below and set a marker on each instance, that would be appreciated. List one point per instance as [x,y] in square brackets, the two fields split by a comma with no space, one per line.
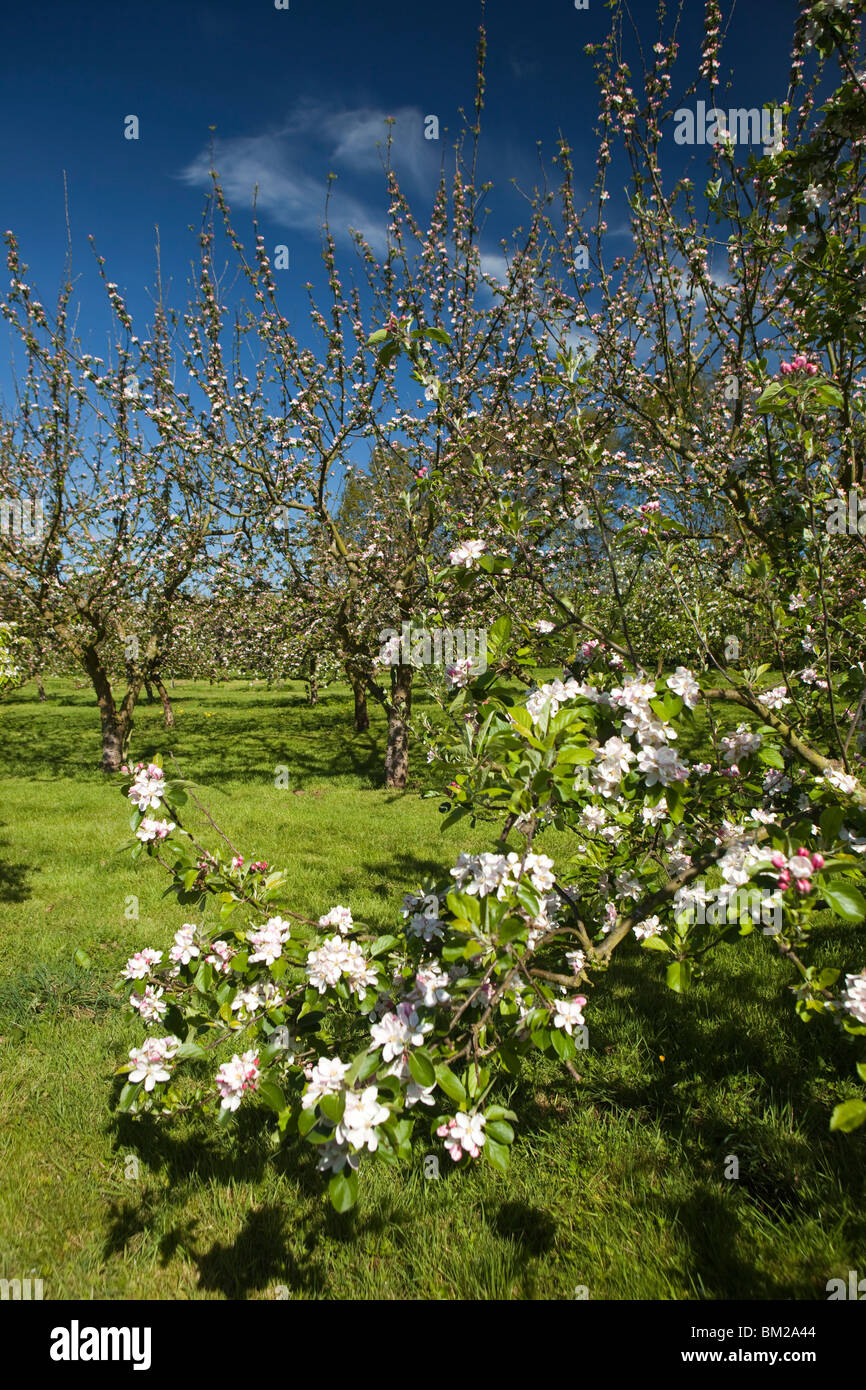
[568,1013]
[151,830]
[361,1117]
[151,1059]
[235,1078]
[326,1078]
[339,917]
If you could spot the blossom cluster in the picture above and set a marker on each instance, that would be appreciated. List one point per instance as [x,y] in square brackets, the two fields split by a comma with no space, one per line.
[148,787]
[799,869]
[236,1077]
[480,874]
[269,940]
[739,744]
[463,1134]
[337,959]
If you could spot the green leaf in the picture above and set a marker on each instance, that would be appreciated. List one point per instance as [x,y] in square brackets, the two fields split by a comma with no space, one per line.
[464,905]
[203,978]
[362,1066]
[381,945]
[828,394]
[272,1095]
[654,943]
[771,757]
[306,1121]
[450,1084]
[768,396]
[498,635]
[500,1130]
[129,1094]
[831,822]
[499,1112]
[378,337]
[679,976]
[510,1058]
[846,901]
[388,353]
[667,706]
[675,802]
[510,929]
[453,817]
[82,959]
[850,1115]
[563,1045]
[497,1155]
[343,1191]
[422,1067]
[332,1106]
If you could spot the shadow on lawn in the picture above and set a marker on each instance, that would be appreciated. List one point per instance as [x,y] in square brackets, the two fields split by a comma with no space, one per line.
[259,1258]
[231,741]
[14,880]
[403,871]
[754,1097]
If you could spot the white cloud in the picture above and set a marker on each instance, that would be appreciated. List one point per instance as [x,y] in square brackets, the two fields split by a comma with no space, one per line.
[493,263]
[289,167]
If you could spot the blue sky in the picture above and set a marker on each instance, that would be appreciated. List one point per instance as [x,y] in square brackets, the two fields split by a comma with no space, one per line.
[293,94]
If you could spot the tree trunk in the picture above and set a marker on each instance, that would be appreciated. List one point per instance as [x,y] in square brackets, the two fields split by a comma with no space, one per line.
[41,688]
[167,711]
[359,690]
[116,724]
[399,710]
[313,683]
[113,743]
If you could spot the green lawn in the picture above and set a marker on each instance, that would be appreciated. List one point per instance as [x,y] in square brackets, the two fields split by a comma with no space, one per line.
[617,1183]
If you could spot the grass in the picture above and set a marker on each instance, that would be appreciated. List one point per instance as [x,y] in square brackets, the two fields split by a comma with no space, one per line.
[617,1184]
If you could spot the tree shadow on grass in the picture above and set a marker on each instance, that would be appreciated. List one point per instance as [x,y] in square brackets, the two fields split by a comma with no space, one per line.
[720,1264]
[403,871]
[14,879]
[727,1089]
[257,1259]
[259,1256]
[532,1229]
